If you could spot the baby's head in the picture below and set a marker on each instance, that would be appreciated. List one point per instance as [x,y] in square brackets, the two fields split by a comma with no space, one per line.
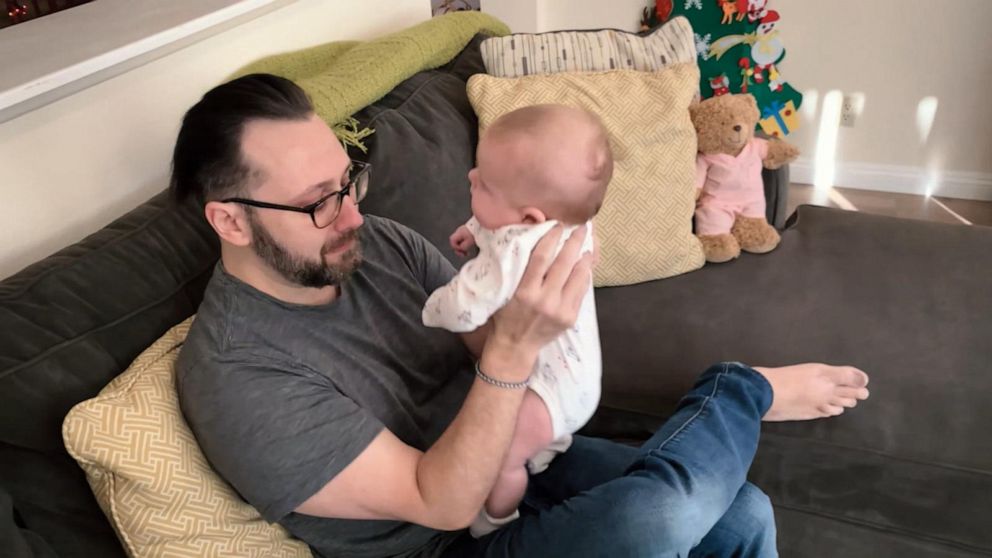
[541,162]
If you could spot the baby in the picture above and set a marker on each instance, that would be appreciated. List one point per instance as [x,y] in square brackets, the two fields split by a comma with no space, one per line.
[537,166]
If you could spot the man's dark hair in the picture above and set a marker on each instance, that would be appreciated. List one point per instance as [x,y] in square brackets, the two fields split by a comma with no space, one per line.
[208,162]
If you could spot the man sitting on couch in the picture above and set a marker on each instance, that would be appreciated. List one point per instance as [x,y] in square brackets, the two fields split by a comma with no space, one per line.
[315,391]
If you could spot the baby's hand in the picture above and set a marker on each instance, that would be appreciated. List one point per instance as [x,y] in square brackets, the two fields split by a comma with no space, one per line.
[462,241]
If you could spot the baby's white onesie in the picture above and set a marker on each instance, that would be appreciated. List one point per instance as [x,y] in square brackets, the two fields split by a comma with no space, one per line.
[568,370]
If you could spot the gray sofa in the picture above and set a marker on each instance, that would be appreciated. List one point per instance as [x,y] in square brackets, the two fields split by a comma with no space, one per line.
[909,473]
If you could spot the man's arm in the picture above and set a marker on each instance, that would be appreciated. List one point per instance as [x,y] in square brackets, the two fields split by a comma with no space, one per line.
[446,486]
[476,340]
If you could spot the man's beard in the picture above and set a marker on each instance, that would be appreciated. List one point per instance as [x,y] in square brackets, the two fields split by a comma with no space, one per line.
[301,271]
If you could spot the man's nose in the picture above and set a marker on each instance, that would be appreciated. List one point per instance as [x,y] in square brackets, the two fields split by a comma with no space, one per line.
[349,218]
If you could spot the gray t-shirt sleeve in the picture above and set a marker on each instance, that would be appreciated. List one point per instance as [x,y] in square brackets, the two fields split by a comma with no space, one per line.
[424,259]
[437,270]
[276,433]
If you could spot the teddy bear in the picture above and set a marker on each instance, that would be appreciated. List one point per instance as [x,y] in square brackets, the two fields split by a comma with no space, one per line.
[730,194]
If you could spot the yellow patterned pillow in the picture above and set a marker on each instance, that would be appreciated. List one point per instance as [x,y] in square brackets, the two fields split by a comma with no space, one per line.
[149,475]
[645,225]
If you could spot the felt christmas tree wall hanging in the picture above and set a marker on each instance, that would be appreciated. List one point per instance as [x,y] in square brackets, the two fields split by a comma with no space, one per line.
[738,51]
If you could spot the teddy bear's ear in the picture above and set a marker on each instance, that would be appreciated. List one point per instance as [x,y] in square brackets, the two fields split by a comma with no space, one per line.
[751,101]
[752,106]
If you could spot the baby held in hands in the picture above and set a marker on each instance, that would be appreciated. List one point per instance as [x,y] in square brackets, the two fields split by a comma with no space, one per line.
[536,167]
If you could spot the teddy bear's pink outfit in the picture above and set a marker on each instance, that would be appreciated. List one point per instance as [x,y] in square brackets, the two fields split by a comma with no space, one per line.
[731,186]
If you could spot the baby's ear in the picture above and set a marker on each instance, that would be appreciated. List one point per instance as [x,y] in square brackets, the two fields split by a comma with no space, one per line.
[533,216]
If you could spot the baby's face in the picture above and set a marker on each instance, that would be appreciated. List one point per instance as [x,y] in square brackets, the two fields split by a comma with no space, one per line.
[493,190]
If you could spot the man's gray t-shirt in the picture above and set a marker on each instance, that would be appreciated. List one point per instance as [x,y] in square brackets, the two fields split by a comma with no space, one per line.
[282,397]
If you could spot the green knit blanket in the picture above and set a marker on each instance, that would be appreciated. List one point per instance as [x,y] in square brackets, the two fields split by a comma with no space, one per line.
[343,77]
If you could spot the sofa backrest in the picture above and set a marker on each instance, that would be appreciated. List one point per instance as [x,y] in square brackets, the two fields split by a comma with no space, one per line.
[71,323]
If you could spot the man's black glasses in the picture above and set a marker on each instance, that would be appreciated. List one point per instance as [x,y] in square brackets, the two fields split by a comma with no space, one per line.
[322,212]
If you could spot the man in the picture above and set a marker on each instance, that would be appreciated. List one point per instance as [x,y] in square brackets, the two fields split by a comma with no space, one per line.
[314,389]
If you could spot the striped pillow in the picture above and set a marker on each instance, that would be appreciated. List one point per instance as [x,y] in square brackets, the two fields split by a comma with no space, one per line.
[524,54]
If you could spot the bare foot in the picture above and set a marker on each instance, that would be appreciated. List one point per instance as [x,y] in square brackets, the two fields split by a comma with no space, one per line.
[812,391]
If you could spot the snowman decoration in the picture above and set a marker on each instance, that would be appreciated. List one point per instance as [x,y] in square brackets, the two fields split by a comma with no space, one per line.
[766,49]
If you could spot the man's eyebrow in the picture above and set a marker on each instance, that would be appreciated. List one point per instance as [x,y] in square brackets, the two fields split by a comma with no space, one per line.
[309,192]
[320,186]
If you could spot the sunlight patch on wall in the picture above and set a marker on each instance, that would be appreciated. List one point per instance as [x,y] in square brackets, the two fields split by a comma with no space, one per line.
[825,160]
[926,111]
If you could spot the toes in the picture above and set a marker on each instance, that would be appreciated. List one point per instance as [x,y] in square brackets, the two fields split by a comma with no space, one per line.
[848,402]
[831,410]
[852,392]
[851,376]
[858,378]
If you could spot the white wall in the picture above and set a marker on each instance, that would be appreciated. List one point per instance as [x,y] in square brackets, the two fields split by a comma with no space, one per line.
[592,14]
[902,56]
[71,167]
[536,16]
[520,15]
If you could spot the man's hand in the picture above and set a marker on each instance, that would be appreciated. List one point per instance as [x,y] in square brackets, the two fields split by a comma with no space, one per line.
[462,241]
[546,302]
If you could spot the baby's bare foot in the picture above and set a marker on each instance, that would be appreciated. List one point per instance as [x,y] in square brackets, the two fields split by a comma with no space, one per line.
[811,391]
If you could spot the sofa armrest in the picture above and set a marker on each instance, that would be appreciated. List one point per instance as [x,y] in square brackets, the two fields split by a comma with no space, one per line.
[776,195]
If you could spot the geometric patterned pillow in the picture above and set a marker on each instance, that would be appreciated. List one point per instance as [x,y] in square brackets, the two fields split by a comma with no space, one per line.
[523,54]
[645,225]
[149,475]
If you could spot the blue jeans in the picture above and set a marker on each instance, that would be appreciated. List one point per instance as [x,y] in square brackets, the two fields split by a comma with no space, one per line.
[683,493]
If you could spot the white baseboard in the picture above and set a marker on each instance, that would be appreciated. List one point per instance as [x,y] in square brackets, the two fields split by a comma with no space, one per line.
[900,179]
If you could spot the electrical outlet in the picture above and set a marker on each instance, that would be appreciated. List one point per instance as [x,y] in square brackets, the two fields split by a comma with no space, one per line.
[848,111]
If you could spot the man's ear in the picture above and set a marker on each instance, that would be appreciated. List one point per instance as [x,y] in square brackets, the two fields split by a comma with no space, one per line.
[533,216]
[229,221]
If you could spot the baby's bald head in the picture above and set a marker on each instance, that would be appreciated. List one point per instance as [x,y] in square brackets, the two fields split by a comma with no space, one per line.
[552,157]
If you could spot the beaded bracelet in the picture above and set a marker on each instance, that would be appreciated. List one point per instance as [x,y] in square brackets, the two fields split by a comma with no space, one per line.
[499,383]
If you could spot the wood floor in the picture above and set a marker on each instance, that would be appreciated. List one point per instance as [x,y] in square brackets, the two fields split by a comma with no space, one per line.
[944,210]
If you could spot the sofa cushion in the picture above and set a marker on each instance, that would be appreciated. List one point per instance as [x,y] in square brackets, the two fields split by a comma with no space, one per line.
[149,475]
[72,322]
[523,54]
[645,224]
[906,301]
